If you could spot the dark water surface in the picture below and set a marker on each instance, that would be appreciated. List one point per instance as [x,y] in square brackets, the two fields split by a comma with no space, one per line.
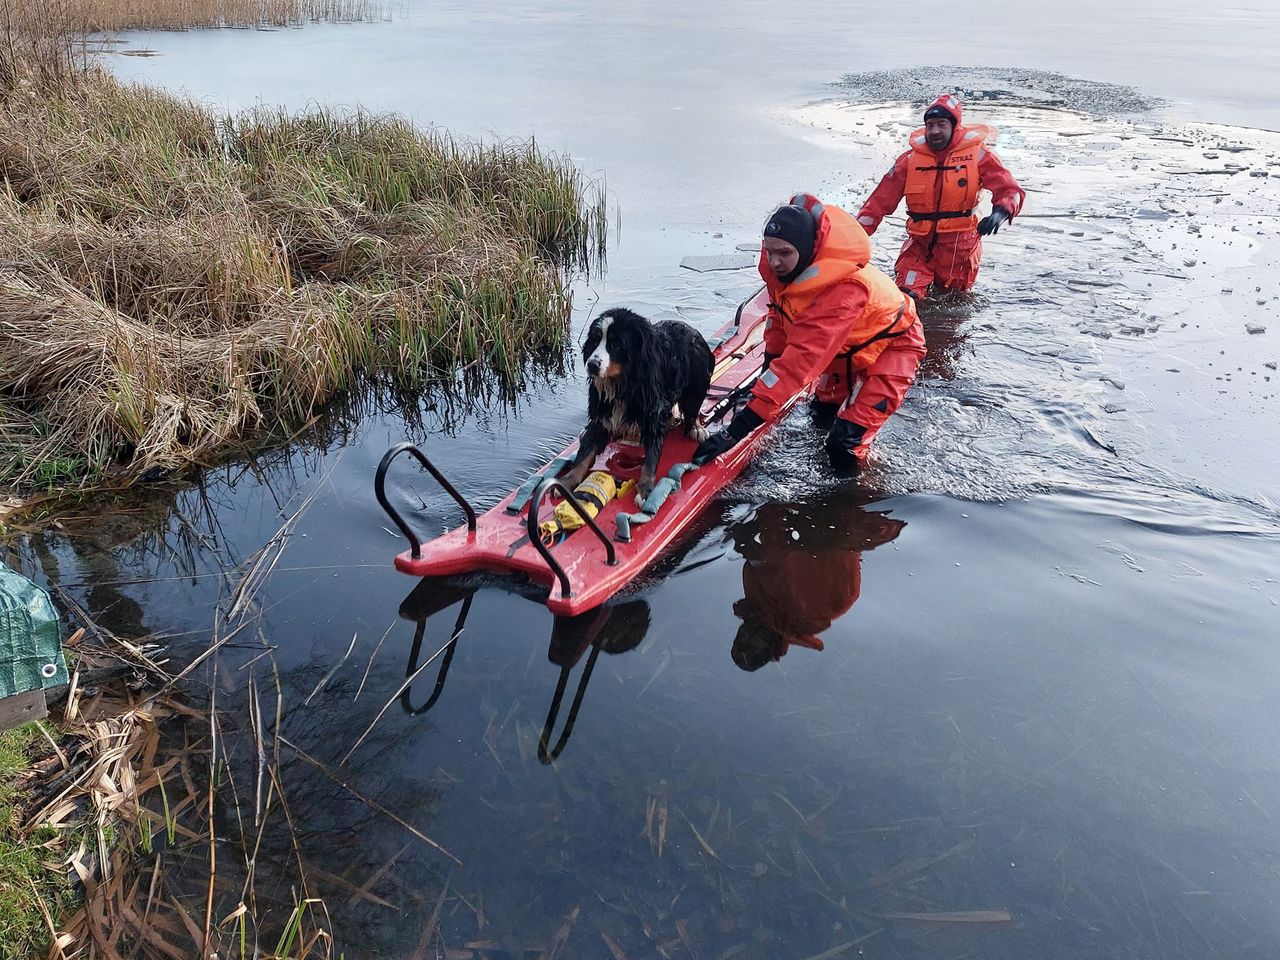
[1026,704]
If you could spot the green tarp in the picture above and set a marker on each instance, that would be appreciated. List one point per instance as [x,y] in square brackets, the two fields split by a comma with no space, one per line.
[30,642]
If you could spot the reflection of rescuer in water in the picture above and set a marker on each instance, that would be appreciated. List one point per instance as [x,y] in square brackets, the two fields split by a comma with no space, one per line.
[832,317]
[802,571]
[940,176]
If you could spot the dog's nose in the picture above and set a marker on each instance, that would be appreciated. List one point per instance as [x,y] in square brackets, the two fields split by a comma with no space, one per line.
[593,366]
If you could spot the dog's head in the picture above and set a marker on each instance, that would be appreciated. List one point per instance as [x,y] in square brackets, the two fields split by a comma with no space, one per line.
[618,340]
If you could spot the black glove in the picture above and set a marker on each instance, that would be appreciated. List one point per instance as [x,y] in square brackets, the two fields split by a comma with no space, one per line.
[728,438]
[992,221]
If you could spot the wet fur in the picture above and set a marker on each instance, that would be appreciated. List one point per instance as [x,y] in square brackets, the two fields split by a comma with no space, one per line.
[657,367]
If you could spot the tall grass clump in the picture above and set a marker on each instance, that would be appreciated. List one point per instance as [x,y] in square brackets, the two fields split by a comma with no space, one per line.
[175,284]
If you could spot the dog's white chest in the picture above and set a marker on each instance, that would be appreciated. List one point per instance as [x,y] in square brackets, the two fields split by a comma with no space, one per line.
[619,427]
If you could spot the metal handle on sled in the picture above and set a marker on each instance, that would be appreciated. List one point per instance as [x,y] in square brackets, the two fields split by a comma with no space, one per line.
[535,503]
[406,702]
[379,490]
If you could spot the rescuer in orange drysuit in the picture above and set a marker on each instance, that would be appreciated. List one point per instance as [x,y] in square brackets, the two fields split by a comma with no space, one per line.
[802,571]
[832,318]
[940,176]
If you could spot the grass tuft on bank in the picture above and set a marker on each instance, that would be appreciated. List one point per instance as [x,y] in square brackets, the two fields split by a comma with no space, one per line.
[176,284]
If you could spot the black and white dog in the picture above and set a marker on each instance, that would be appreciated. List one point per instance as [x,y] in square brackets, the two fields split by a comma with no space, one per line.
[638,372]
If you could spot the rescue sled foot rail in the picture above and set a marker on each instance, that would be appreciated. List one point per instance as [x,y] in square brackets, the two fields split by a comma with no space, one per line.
[535,538]
[379,489]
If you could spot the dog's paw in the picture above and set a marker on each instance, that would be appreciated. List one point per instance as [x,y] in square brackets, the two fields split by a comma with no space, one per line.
[644,487]
[698,433]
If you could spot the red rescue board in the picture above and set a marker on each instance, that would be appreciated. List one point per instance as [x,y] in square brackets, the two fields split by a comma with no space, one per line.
[500,542]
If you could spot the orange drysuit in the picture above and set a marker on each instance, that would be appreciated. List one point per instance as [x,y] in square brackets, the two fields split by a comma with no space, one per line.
[941,189]
[844,323]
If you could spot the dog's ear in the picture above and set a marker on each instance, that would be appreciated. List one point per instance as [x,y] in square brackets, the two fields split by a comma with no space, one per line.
[593,339]
[650,347]
[645,365]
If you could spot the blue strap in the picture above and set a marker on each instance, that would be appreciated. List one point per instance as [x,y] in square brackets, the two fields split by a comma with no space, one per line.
[652,503]
[525,491]
[715,343]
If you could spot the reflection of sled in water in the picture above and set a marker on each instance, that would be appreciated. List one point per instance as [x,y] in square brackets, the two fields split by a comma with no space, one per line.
[427,599]
[612,629]
[624,538]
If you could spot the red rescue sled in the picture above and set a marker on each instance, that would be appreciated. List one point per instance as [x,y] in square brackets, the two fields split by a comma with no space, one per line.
[606,554]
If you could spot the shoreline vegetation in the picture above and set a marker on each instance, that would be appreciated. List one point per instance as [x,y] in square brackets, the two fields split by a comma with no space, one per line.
[85,18]
[177,287]
[109,16]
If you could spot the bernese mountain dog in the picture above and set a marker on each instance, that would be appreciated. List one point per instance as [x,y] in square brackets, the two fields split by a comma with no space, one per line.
[638,372]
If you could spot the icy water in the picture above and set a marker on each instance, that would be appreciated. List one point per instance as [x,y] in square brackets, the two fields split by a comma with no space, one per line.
[1028,703]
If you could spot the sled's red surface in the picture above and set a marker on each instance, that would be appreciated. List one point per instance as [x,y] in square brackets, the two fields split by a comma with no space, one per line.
[499,540]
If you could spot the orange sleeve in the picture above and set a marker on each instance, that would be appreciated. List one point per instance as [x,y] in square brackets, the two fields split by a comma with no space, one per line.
[812,342]
[886,197]
[995,177]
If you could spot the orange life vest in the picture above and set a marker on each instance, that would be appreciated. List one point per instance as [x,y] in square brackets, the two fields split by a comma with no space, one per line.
[843,254]
[942,188]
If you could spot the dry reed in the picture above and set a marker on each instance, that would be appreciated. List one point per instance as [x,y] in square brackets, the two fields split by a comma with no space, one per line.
[103,16]
[176,284]
[40,44]
[136,806]
[110,16]
[129,809]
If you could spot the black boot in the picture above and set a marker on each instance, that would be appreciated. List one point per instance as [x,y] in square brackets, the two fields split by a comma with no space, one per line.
[843,439]
[822,413]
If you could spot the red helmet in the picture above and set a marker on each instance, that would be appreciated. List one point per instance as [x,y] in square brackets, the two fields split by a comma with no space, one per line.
[948,105]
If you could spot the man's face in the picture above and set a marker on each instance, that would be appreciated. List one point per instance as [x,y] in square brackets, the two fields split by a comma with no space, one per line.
[781,255]
[937,132]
